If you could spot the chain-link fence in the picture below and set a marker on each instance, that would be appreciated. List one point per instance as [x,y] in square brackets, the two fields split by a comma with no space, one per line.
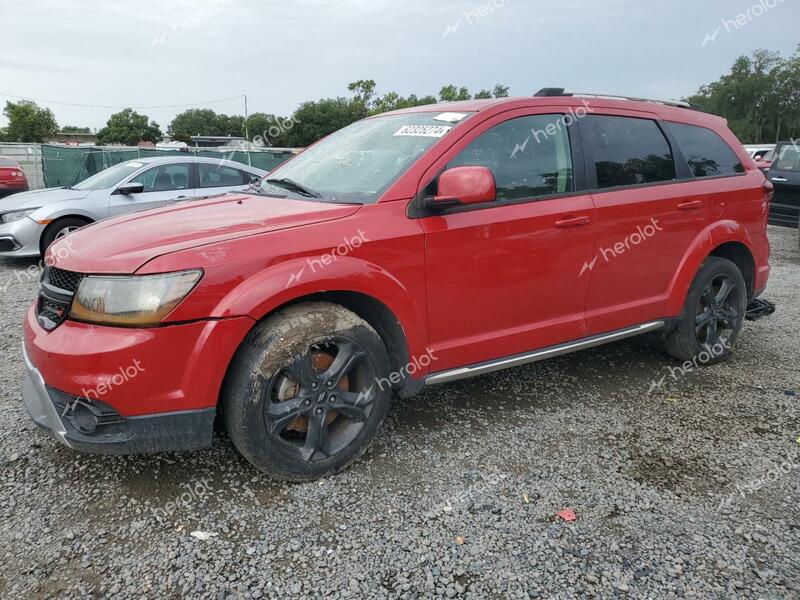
[29,158]
[52,165]
[66,166]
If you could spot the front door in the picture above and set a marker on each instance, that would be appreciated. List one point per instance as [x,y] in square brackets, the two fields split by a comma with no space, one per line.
[161,185]
[785,176]
[503,278]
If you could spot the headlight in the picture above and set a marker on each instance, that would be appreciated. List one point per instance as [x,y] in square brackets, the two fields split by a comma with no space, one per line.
[132,301]
[16,215]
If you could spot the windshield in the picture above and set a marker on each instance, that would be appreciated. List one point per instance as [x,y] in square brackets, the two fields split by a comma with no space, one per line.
[358,163]
[109,177]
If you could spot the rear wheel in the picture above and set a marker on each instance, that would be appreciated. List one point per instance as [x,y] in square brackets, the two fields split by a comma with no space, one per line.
[302,399]
[713,314]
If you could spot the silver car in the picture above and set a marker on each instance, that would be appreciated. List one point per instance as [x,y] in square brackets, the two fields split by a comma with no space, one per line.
[31,221]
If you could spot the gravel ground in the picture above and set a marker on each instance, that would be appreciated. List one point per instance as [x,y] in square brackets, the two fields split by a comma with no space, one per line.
[686,490]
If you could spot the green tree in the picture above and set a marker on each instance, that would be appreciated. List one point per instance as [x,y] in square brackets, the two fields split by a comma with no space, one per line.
[74,129]
[195,121]
[500,91]
[231,125]
[451,93]
[129,128]
[760,97]
[394,101]
[316,119]
[28,122]
[364,90]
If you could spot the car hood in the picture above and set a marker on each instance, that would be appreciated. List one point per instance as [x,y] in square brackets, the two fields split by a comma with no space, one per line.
[123,244]
[37,198]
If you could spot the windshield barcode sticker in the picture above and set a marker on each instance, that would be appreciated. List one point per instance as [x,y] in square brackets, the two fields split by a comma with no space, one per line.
[435,131]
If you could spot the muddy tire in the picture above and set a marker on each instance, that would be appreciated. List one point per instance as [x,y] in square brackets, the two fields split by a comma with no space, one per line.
[712,316]
[302,399]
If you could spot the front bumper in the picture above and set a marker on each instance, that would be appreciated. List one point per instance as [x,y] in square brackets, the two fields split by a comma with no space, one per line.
[81,384]
[20,237]
[102,431]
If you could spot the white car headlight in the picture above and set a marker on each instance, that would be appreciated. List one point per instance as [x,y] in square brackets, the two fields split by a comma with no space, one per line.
[131,300]
[16,215]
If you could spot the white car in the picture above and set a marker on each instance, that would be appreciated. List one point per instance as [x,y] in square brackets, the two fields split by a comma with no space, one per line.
[31,221]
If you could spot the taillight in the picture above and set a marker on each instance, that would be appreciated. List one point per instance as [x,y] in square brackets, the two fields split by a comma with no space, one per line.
[769,191]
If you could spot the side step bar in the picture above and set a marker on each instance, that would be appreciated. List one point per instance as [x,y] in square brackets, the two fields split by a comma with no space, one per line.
[537,355]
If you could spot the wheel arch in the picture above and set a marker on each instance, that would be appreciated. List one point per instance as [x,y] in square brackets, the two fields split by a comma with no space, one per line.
[739,254]
[52,224]
[726,239]
[374,310]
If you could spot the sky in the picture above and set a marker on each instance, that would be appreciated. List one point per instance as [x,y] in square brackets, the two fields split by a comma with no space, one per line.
[161,53]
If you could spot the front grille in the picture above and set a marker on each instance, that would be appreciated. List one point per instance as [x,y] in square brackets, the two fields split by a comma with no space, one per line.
[55,296]
[65,280]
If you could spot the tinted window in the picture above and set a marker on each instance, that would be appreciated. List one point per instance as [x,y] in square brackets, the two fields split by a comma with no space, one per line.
[220,176]
[528,156]
[628,151]
[706,152]
[788,158]
[165,178]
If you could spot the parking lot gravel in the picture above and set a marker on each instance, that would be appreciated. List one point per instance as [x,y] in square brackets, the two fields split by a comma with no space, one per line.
[684,483]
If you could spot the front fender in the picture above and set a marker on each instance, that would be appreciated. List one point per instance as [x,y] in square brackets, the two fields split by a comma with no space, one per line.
[706,241]
[296,278]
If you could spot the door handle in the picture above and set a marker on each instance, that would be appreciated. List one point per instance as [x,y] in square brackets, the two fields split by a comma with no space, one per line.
[691,205]
[573,221]
[779,179]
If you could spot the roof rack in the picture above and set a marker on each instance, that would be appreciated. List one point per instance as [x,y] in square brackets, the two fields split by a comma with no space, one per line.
[560,92]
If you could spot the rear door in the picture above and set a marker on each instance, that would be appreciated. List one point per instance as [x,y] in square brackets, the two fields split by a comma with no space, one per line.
[161,185]
[215,178]
[503,277]
[646,218]
[784,173]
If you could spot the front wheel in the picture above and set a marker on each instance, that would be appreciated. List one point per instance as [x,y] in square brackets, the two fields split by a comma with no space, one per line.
[306,392]
[58,229]
[713,314]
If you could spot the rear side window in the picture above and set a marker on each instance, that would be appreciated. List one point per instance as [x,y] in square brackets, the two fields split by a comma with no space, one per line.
[220,176]
[707,154]
[627,151]
[528,156]
[788,158]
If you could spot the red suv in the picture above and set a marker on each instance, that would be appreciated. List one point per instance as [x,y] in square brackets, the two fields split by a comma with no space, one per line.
[412,248]
[12,177]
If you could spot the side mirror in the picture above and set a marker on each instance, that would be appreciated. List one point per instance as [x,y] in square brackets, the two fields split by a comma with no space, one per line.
[132,187]
[464,186]
[254,179]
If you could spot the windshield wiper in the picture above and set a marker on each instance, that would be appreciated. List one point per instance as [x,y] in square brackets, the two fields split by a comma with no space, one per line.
[293,186]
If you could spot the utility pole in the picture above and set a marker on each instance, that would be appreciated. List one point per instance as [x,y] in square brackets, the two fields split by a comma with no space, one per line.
[246,131]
